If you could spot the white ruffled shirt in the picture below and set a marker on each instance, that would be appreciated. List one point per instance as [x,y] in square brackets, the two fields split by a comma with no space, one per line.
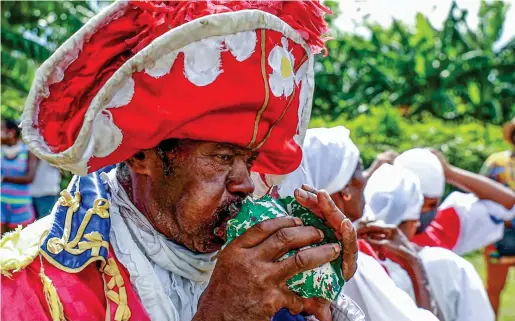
[168,278]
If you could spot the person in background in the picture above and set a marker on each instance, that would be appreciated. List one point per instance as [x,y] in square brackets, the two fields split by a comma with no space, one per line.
[393,196]
[332,162]
[463,222]
[18,169]
[45,188]
[500,256]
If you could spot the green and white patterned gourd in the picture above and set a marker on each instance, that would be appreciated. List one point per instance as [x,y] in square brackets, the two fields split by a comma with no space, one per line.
[325,281]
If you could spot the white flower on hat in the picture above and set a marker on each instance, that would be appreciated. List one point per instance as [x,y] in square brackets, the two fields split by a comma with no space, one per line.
[282,78]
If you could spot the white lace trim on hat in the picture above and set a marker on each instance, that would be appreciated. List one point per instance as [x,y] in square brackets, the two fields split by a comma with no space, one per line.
[200,68]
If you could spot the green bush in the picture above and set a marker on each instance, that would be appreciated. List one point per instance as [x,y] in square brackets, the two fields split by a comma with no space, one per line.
[466,144]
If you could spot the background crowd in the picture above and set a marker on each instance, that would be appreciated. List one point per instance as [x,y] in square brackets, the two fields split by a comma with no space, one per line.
[394,87]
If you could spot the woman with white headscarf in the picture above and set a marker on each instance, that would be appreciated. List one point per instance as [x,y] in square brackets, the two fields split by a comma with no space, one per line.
[464,221]
[393,195]
[331,161]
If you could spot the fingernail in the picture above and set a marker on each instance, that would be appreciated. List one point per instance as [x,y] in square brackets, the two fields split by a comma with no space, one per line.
[326,194]
[321,234]
[302,193]
[297,220]
[337,248]
[346,223]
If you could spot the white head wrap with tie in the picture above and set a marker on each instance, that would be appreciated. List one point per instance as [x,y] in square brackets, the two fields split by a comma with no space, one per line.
[427,167]
[393,195]
[329,161]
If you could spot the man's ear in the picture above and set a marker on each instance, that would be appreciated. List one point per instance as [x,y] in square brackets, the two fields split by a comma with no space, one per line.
[142,162]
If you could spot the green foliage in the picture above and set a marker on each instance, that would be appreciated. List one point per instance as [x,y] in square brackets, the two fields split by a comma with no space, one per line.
[31,31]
[453,73]
[466,144]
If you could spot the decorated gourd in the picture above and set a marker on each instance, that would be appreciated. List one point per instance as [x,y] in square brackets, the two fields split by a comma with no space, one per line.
[325,281]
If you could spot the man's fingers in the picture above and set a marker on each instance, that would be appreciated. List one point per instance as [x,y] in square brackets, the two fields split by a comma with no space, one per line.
[350,249]
[380,246]
[289,238]
[309,188]
[381,224]
[308,259]
[332,214]
[262,230]
[375,229]
[308,200]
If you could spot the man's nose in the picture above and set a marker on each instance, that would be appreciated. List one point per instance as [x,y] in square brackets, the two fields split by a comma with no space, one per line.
[239,182]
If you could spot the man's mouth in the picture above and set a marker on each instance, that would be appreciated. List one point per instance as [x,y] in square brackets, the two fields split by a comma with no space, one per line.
[226,214]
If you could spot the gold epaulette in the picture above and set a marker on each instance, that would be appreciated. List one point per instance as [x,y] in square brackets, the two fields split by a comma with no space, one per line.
[20,247]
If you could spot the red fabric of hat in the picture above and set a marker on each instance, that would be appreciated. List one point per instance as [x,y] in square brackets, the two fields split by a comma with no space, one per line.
[139,73]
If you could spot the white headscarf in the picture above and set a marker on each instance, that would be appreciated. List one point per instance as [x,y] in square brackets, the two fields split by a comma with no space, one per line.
[393,195]
[427,167]
[329,161]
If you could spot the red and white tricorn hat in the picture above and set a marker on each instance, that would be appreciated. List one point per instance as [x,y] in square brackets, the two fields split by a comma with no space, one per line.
[141,72]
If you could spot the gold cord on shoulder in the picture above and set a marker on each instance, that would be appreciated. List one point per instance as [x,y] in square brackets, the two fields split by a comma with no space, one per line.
[94,241]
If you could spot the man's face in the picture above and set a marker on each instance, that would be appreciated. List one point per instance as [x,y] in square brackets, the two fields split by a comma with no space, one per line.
[353,206]
[6,134]
[428,213]
[203,191]
[430,204]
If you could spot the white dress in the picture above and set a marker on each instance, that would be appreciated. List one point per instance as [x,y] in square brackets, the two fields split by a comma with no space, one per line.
[457,287]
[378,296]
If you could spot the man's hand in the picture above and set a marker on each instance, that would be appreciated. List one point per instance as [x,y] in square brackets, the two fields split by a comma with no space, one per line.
[389,242]
[386,157]
[447,167]
[321,204]
[249,284]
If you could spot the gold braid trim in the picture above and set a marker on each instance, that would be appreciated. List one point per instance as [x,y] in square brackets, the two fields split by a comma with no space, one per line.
[267,89]
[269,132]
[94,239]
[52,298]
[123,313]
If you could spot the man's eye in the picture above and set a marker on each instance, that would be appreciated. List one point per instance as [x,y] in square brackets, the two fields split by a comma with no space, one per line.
[225,158]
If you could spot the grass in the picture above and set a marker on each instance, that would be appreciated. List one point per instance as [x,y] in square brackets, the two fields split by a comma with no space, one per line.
[507,309]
